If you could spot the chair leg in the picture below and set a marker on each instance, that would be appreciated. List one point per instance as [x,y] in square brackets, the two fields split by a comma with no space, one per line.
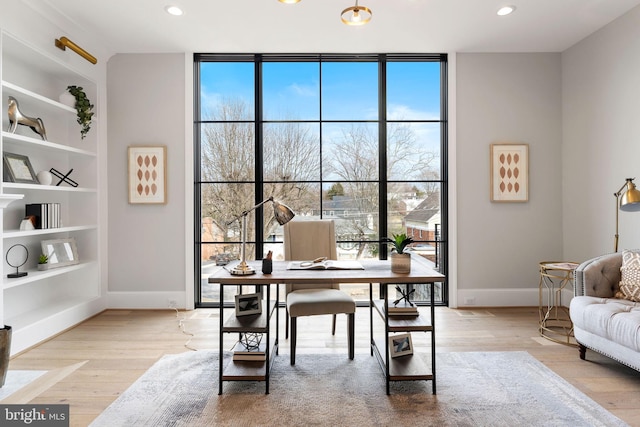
[333,326]
[286,324]
[293,339]
[351,334]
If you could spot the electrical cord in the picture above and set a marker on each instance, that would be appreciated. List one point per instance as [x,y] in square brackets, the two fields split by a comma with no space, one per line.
[181,320]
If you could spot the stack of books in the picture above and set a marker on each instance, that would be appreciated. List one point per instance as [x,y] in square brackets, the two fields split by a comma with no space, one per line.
[403,308]
[45,215]
[241,352]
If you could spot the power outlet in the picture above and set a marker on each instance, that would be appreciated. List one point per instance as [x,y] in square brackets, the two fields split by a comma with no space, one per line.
[469,300]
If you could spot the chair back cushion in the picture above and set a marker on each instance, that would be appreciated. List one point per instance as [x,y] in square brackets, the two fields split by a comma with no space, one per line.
[305,240]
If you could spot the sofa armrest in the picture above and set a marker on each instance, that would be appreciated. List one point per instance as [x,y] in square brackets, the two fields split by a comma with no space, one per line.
[598,277]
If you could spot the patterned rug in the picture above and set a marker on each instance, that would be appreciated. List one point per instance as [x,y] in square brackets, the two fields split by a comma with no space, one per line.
[474,389]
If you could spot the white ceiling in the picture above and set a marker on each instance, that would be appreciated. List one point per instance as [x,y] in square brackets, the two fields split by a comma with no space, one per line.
[138,26]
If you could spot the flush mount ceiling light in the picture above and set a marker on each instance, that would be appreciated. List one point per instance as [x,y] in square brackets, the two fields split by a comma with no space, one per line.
[354,15]
[174,10]
[506,10]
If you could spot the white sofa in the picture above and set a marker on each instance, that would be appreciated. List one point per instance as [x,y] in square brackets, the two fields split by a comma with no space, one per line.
[602,323]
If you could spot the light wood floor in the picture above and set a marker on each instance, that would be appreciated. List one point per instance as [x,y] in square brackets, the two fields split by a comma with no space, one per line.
[91,364]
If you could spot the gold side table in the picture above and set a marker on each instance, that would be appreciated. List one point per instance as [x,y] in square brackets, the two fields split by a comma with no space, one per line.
[555,323]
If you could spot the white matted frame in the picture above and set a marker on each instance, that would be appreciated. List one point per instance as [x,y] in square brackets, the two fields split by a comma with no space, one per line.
[59,252]
[247,304]
[147,174]
[17,168]
[400,345]
[509,172]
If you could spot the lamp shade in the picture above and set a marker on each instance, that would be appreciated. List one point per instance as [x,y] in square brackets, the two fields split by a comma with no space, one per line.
[283,213]
[630,200]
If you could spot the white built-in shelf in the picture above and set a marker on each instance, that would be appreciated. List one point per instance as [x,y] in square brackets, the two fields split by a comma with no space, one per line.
[36,275]
[6,199]
[16,91]
[46,313]
[13,140]
[40,187]
[10,234]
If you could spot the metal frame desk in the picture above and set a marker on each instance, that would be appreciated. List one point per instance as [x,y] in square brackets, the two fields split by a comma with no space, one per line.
[375,271]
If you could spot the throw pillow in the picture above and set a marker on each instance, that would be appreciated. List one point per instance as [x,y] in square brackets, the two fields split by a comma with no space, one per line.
[630,275]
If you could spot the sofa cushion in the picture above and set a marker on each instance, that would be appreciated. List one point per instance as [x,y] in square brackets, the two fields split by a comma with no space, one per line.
[613,319]
[630,275]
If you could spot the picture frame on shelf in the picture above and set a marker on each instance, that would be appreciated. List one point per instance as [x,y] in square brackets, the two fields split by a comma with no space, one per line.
[18,169]
[248,304]
[400,345]
[509,172]
[147,174]
[60,252]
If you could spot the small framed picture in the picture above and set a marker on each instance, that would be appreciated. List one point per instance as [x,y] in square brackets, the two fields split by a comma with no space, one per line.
[59,253]
[147,174]
[18,169]
[509,172]
[400,345]
[248,304]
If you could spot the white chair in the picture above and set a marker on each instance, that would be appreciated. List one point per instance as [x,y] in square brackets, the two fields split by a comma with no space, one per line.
[303,241]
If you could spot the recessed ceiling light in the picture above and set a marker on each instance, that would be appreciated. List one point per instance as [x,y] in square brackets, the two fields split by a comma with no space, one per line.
[174,10]
[506,10]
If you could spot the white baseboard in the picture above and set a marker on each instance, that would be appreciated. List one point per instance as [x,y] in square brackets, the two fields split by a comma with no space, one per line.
[148,300]
[522,297]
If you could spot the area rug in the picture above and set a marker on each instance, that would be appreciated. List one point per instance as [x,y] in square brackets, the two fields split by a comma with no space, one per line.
[16,380]
[473,389]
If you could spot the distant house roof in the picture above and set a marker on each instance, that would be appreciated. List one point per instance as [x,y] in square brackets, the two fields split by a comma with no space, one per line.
[425,210]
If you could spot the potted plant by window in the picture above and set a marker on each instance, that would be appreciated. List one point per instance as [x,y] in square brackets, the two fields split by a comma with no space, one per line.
[400,260]
[84,109]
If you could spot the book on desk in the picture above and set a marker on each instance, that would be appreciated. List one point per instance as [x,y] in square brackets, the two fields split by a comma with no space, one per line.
[329,264]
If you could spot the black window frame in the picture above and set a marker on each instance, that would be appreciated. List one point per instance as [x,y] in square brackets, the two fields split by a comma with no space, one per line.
[382,59]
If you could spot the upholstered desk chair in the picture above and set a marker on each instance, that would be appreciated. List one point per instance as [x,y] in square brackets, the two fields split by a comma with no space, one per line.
[304,241]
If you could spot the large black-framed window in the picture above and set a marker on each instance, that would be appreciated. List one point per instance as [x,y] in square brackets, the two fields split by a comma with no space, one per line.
[361,139]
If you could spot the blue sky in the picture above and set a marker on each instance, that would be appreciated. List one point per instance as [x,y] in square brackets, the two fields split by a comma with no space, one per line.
[350,91]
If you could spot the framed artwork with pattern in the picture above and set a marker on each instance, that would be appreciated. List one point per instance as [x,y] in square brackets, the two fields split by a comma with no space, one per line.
[147,174]
[509,172]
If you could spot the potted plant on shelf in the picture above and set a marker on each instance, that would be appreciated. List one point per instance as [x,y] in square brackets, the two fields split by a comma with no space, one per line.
[42,262]
[400,260]
[84,109]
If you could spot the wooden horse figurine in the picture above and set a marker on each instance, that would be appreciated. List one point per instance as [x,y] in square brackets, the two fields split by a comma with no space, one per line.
[17,118]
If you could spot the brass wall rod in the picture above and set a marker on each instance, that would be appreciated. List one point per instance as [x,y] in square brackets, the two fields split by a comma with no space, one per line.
[64,42]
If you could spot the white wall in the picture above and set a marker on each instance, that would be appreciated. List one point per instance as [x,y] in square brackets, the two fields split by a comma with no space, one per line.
[513,98]
[601,137]
[586,96]
[147,242]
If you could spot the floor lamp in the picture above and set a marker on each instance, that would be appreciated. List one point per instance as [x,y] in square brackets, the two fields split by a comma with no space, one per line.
[629,202]
[282,214]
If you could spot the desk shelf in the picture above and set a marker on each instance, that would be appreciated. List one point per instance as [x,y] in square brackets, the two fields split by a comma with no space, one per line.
[397,323]
[409,367]
[257,323]
[245,370]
